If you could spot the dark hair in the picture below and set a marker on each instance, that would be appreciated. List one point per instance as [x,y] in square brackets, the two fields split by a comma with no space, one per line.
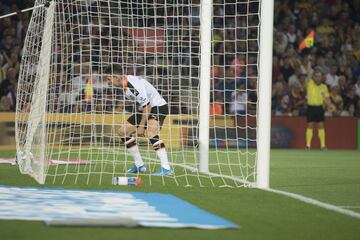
[114,69]
[317,70]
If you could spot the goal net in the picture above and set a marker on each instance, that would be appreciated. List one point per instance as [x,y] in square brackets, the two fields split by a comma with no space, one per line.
[68,116]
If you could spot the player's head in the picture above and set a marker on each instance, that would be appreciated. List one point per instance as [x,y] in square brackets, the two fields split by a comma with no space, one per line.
[114,75]
[317,76]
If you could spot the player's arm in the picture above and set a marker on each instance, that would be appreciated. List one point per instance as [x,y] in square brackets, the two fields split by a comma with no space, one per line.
[144,102]
[309,68]
[144,118]
[327,100]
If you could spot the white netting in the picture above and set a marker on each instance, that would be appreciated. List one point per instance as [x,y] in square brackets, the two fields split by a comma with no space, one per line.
[79,117]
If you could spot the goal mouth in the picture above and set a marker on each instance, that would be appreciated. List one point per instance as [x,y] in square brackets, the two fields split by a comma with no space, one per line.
[200,60]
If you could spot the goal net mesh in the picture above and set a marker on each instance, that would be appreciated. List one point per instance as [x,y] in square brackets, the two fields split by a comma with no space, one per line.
[68,116]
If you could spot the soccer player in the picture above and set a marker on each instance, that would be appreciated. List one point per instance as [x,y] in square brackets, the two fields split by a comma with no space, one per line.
[151,119]
[317,97]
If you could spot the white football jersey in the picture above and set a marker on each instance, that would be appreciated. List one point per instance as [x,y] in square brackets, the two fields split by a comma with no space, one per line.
[140,90]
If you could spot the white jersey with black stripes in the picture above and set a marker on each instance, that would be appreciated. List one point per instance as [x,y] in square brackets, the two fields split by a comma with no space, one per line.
[143,92]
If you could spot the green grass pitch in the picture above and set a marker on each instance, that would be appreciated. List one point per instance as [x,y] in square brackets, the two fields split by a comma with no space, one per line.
[331,177]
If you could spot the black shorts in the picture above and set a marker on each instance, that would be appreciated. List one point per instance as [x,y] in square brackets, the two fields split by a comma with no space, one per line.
[315,114]
[158,113]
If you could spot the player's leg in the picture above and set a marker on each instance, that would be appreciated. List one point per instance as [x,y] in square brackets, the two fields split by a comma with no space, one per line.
[154,123]
[321,135]
[321,129]
[309,134]
[130,142]
[310,126]
[320,118]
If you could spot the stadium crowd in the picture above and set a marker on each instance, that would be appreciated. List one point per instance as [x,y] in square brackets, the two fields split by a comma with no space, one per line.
[336,53]
[12,35]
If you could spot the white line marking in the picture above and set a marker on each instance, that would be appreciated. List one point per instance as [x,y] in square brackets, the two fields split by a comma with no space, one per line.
[291,195]
[297,197]
[349,207]
[316,203]
[288,194]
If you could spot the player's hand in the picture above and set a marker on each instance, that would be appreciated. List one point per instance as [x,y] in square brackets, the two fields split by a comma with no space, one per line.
[310,58]
[141,131]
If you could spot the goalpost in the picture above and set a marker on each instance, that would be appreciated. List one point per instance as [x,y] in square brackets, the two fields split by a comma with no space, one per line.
[207,58]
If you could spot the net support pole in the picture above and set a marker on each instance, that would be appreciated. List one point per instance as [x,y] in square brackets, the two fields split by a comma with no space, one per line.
[21,11]
[265,80]
[205,65]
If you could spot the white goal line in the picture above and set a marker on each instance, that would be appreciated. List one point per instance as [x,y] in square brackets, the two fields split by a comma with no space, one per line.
[316,203]
[355,207]
[338,209]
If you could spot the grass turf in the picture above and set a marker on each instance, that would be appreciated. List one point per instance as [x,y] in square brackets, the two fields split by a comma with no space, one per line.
[332,177]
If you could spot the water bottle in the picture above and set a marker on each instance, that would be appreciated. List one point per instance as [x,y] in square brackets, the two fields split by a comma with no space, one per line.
[123,181]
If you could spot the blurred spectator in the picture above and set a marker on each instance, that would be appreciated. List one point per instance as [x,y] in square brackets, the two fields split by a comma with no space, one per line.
[216,109]
[320,62]
[357,87]
[349,75]
[357,109]
[2,69]
[350,98]
[336,102]
[286,68]
[11,95]
[343,86]
[11,78]
[297,100]
[325,28]
[5,104]
[67,99]
[238,101]
[280,42]
[295,79]
[291,34]
[233,79]
[284,108]
[237,67]
[331,78]
[279,89]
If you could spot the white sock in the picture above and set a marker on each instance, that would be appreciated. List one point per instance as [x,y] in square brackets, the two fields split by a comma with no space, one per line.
[162,155]
[135,153]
